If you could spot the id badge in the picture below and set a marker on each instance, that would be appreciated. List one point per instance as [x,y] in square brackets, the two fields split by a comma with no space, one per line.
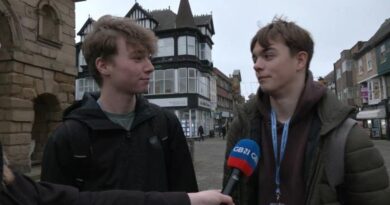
[277,203]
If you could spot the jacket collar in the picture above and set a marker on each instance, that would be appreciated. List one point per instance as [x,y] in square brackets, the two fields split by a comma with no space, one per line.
[330,110]
[311,95]
[89,112]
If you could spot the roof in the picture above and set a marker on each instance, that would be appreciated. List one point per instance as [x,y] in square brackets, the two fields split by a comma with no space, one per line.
[382,33]
[139,7]
[184,16]
[165,18]
[204,20]
[81,31]
[220,74]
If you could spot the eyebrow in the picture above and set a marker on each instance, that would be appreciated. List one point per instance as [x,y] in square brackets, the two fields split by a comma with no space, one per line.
[268,49]
[264,51]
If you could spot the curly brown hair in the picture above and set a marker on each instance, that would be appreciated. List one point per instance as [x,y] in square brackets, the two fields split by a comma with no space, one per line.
[102,40]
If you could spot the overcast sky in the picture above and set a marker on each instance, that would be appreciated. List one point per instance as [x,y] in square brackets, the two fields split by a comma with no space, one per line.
[334,24]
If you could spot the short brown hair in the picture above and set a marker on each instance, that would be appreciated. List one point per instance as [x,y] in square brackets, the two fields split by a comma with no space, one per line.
[102,40]
[295,37]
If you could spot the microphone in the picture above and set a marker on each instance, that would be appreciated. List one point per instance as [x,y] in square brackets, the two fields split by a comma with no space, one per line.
[243,159]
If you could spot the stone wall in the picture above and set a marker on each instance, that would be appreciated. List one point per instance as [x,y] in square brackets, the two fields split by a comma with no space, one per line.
[36,75]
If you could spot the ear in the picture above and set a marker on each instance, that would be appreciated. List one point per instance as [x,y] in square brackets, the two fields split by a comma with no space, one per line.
[302,58]
[103,66]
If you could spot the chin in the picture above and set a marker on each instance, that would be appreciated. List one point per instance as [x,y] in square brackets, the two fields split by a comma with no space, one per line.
[265,89]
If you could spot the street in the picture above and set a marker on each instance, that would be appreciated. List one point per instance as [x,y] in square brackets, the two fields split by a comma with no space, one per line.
[209,158]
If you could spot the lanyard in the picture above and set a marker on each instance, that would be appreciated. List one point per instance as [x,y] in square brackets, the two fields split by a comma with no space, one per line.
[282,149]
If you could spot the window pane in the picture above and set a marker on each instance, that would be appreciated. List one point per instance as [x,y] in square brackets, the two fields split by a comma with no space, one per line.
[182,80]
[182,45]
[165,47]
[183,85]
[169,81]
[182,72]
[191,73]
[159,82]
[191,45]
[151,84]
[202,54]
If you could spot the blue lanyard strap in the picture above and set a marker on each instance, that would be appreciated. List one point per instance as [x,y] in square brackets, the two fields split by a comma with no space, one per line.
[283,144]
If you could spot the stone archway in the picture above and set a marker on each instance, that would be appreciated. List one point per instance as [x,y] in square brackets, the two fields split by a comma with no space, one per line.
[47,115]
[11,35]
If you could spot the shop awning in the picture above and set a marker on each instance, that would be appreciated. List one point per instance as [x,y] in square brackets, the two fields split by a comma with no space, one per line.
[371,114]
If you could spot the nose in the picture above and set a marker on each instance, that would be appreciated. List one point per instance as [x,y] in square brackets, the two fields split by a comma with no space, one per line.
[149,66]
[259,64]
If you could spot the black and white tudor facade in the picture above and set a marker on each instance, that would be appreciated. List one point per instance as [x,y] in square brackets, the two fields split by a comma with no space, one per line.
[182,80]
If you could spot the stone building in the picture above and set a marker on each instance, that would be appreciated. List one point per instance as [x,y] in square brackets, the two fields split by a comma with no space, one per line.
[37,72]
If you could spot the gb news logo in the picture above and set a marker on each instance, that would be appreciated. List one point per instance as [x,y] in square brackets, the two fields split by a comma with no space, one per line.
[247,152]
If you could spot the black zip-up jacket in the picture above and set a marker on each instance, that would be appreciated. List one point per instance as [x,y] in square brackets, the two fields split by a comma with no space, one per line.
[120,159]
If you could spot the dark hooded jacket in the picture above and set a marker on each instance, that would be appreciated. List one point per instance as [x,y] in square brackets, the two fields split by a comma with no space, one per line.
[120,159]
[302,171]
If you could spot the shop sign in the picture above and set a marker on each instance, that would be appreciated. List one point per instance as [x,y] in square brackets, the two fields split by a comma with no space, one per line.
[204,103]
[170,102]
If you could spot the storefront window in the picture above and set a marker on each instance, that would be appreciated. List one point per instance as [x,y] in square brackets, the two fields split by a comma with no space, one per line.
[193,128]
[184,117]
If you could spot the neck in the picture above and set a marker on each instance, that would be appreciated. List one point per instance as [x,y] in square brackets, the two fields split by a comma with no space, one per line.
[115,102]
[285,103]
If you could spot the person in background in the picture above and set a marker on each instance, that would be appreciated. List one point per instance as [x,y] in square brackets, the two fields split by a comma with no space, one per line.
[201,132]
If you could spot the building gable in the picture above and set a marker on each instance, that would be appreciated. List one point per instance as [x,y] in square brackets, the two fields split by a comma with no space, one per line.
[142,17]
[86,28]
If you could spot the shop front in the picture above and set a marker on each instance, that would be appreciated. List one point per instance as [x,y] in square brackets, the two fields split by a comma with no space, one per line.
[192,112]
[375,121]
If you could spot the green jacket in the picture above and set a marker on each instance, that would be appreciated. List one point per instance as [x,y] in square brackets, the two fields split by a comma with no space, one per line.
[366,181]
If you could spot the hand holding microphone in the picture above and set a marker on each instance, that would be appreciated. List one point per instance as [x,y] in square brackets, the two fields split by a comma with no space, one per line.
[243,159]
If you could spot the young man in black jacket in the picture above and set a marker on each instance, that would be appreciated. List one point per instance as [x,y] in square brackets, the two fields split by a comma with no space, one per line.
[117,139]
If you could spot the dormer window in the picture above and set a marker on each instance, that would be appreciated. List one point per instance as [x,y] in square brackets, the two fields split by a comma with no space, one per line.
[49,28]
